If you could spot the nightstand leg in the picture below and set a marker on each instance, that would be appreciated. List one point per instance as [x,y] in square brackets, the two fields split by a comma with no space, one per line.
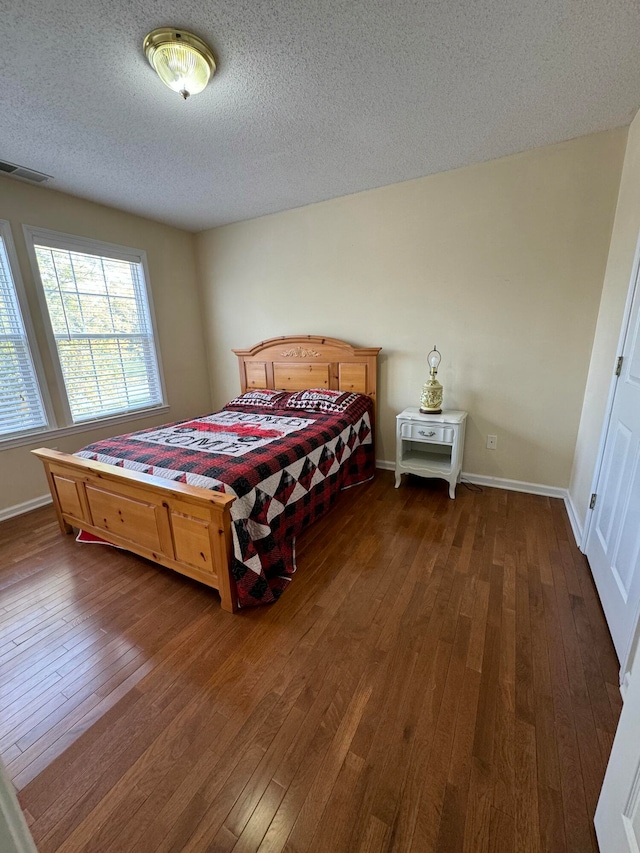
[398,478]
[452,489]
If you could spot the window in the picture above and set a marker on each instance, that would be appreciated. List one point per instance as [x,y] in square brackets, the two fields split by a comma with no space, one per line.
[97,302]
[22,408]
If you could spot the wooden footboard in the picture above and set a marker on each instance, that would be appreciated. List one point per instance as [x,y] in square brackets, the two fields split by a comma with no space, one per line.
[183,527]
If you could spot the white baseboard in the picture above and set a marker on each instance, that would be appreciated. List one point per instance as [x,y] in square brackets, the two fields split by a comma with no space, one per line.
[387,465]
[624,685]
[515,485]
[573,519]
[27,506]
[497,482]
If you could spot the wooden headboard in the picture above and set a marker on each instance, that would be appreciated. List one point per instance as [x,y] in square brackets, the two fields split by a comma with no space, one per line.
[309,361]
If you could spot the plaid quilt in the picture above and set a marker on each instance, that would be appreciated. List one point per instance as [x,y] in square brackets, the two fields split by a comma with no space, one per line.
[284,467]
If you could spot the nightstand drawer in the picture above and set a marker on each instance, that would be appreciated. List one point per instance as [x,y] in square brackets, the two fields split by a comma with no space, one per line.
[427,432]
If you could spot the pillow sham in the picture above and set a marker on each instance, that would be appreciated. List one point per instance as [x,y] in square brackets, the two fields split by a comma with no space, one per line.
[265,397]
[321,400]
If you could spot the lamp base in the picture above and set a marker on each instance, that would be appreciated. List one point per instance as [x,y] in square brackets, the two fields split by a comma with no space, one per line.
[431,411]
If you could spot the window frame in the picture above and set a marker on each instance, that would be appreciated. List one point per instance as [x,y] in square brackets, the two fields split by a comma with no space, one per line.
[24,436]
[70,242]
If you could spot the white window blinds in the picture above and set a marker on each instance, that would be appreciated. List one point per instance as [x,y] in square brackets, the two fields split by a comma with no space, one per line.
[21,406]
[103,332]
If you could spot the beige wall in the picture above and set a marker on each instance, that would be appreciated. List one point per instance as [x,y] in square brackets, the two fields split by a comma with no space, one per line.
[624,240]
[501,264]
[170,254]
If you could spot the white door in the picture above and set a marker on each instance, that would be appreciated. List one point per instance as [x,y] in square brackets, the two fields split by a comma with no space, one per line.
[613,541]
[617,817]
[14,835]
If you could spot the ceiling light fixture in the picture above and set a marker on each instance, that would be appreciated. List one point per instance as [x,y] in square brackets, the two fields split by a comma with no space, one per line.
[182,61]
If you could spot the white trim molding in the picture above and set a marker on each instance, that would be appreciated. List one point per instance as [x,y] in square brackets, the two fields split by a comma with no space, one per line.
[497,482]
[514,485]
[574,520]
[624,329]
[59,240]
[15,274]
[387,465]
[84,426]
[27,506]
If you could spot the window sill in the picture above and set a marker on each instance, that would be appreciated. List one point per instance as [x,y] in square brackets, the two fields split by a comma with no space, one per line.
[51,434]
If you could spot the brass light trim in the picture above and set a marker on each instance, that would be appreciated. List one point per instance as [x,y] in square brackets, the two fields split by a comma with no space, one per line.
[180,44]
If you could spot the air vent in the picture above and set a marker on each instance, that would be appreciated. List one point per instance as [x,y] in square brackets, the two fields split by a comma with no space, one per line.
[25,174]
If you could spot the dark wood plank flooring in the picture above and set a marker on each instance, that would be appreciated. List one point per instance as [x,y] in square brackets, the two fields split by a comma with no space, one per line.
[438,677]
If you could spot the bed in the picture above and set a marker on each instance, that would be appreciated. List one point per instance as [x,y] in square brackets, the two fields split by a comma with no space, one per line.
[227,525]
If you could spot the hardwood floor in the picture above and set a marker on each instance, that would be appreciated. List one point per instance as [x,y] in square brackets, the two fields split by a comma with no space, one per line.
[438,677]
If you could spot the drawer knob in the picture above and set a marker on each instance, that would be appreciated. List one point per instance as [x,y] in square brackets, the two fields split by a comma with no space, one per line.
[424,432]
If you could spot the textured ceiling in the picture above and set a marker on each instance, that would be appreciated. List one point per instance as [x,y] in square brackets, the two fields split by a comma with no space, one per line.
[313,99]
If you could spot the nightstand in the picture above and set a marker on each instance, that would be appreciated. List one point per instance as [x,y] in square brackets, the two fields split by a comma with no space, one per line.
[430,445]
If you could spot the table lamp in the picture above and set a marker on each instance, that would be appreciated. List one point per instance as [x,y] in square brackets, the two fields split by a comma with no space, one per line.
[431,399]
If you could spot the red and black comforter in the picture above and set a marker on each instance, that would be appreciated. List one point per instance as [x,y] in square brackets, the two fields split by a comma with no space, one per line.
[285,467]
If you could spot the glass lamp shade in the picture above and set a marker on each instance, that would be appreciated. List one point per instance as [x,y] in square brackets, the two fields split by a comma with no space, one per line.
[434,359]
[182,61]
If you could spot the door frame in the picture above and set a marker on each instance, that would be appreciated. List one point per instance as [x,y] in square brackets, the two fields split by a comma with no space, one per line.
[633,289]
[14,832]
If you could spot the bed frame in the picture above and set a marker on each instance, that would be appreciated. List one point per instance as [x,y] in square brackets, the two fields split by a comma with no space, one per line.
[188,528]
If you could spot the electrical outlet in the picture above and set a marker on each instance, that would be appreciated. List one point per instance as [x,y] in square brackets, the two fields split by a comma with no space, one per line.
[492,442]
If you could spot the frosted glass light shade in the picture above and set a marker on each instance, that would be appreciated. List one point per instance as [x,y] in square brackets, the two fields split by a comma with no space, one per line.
[434,359]
[183,62]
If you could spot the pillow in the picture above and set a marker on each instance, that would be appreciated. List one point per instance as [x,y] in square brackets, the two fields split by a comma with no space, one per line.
[321,400]
[265,397]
